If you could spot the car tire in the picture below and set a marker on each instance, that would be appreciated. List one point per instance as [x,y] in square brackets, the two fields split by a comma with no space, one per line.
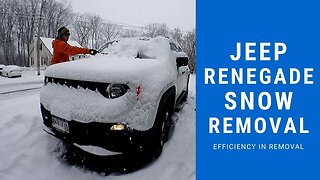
[163,124]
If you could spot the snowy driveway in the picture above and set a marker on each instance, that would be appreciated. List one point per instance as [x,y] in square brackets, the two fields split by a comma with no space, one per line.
[27,152]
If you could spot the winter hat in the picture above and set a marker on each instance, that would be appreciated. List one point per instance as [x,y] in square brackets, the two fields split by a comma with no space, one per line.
[63,31]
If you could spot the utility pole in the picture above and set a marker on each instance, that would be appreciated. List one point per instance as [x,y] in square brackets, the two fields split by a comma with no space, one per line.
[38,38]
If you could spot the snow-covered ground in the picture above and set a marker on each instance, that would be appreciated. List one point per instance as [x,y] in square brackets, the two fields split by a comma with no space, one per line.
[27,152]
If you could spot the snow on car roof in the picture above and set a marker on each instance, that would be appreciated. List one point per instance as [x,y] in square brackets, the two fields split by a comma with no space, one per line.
[129,47]
[10,67]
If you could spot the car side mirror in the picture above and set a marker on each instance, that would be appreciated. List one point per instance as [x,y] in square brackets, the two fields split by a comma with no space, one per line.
[182,61]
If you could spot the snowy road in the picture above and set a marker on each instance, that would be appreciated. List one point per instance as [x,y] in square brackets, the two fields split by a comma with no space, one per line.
[20,87]
[28,81]
[28,153]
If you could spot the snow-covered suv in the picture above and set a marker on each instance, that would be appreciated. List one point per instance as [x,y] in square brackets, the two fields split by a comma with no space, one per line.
[120,100]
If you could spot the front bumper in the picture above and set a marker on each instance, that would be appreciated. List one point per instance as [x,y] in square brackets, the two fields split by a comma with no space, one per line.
[99,134]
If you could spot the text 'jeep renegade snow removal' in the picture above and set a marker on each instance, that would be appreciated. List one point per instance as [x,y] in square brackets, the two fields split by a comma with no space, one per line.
[119,101]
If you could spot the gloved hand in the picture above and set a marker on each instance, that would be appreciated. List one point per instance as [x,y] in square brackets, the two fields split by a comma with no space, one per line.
[93,52]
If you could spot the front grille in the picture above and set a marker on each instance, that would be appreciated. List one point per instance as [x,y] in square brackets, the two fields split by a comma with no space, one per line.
[101,87]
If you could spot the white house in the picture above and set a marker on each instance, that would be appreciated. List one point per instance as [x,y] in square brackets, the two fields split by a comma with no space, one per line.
[46,52]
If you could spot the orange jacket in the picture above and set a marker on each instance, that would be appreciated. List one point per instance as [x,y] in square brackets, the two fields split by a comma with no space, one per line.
[62,50]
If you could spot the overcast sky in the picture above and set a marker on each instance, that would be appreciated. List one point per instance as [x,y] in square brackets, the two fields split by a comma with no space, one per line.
[175,13]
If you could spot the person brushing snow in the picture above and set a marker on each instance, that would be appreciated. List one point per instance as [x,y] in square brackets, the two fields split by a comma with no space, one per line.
[62,50]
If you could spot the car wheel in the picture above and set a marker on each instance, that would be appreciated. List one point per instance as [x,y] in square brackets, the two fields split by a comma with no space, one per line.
[185,96]
[163,126]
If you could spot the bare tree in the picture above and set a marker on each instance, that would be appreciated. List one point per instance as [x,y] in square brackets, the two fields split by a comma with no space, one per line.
[82,28]
[111,31]
[31,8]
[156,29]
[177,35]
[189,46]
[91,28]
[27,15]
[96,35]
[126,33]
[7,37]
[20,33]
[56,14]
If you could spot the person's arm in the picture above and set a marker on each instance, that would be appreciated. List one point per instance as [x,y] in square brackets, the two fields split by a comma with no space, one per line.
[71,50]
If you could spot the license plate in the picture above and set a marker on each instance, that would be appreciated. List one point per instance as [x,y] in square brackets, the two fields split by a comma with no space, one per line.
[60,124]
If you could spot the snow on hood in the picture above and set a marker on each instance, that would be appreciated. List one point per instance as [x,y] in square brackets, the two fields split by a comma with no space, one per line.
[104,68]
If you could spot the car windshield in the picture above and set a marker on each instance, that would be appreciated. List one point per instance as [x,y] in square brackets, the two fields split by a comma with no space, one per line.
[139,48]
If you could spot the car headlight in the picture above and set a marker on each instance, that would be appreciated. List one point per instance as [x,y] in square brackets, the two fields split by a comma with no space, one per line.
[118,127]
[116,90]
